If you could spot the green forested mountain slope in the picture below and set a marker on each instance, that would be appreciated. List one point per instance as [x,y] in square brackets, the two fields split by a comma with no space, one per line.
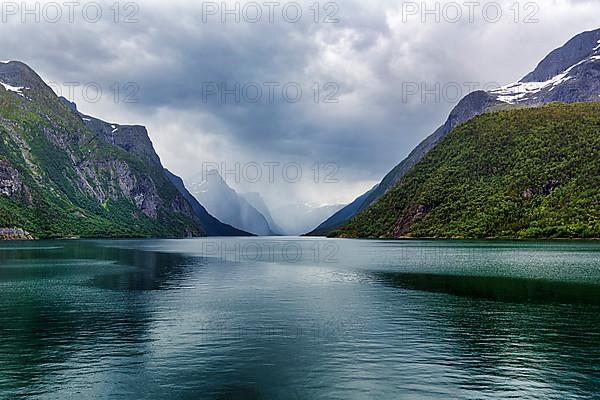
[58,178]
[568,74]
[522,173]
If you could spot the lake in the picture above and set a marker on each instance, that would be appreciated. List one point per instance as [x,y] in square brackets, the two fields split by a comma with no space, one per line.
[299,318]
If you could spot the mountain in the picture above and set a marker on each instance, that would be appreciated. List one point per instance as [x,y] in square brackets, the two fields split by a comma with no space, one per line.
[568,74]
[135,139]
[256,201]
[227,205]
[520,173]
[296,219]
[211,225]
[63,174]
[342,215]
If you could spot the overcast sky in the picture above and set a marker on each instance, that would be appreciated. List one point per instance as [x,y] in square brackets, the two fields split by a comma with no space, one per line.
[178,52]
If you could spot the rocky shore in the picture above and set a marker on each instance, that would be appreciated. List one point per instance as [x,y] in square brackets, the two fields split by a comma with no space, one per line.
[14,234]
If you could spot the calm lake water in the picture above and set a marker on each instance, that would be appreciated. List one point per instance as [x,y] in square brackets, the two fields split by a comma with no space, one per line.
[292,319]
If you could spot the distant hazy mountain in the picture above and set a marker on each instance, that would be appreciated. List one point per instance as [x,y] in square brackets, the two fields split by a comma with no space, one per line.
[212,226]
[227,205]
[297,219]
[568,74]
[256,201]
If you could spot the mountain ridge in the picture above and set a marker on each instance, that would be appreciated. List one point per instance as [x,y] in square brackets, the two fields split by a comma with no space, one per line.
[226,204]
[212,226]
[256,201]
[524,173]
[66,174]
[578,59]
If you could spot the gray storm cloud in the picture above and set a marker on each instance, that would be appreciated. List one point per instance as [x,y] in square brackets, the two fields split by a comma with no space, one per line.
[369,63]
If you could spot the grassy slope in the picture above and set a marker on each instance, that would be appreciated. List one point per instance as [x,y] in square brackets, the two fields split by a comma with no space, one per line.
[525,173]
[59,208]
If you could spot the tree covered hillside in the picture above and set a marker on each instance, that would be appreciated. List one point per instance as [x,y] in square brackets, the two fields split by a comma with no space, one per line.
[521,173]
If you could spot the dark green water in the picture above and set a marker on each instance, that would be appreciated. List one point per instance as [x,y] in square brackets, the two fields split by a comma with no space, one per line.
[299,319]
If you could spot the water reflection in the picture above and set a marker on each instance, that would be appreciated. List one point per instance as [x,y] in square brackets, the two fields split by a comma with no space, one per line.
[497,288]
[499,331]
[45,320]
[151,270]
[88,320]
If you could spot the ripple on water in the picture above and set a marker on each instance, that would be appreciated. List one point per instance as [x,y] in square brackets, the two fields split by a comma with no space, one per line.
[90,321]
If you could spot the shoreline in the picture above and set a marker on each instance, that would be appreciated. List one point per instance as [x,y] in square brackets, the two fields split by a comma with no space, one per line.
[490,239]
[399,239]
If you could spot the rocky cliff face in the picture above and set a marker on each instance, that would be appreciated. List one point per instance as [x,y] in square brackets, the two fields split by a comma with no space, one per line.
[11,185]
[66,174]
[568,74]
[131,138]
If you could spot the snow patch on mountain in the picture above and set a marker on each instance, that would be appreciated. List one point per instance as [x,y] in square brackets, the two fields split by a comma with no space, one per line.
[522,91]
[16,89]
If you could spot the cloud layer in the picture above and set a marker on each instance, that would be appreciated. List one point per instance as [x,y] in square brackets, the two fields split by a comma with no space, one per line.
[368,62]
